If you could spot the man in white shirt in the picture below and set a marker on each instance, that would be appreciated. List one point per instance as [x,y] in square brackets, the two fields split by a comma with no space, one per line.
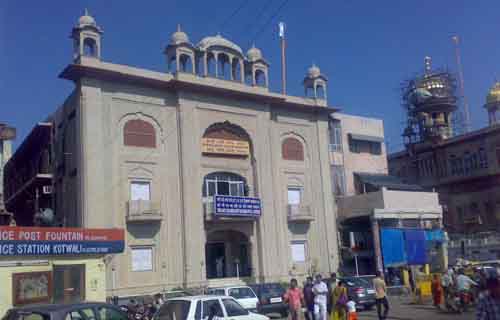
[464,282]
[320,290]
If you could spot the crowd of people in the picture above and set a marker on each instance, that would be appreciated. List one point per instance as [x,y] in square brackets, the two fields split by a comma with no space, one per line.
[455,290]
[328,299]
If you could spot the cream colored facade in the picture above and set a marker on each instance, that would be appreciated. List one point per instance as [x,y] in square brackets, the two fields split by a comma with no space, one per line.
[94,168]
[363,160]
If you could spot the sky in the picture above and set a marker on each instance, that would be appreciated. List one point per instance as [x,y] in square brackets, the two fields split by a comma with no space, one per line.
[365,48]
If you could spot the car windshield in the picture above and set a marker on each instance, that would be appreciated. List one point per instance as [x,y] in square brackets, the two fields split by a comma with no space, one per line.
[174,310]
[272,289]
[28,316]
[358,282]
[241,293]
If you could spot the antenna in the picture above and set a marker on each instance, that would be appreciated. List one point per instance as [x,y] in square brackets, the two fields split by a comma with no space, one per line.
[281,26]
[467,121]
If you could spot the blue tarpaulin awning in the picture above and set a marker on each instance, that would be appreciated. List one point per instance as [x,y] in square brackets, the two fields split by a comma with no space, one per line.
[415,246]
[434,235]
[393,247]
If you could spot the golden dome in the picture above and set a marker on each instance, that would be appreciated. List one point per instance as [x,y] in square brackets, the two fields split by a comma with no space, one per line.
[494,94]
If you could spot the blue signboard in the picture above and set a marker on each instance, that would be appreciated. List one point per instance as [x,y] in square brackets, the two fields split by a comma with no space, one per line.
[37,241]
[237,206]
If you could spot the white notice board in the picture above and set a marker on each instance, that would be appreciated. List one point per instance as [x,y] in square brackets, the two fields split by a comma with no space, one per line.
[142,259]
[298,251]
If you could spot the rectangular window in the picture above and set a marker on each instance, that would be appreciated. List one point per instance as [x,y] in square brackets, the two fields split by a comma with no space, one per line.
[335,136]
[140,190]
[375,148]
[298,251]
[483,158]
[294,195]
[354,145]
[142,259]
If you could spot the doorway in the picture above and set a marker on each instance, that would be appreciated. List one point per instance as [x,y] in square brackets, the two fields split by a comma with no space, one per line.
[227,255]
[69,283]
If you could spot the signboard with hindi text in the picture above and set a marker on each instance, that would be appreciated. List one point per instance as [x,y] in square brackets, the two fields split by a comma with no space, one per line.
[224,146]
[237,206]
[42,241]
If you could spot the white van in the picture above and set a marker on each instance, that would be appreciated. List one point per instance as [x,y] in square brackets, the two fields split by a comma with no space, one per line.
[243,294]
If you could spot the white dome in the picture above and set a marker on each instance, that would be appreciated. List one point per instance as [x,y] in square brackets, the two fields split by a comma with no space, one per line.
[219,41]
[86,20]
[313,71]
[179,36]
[254,54]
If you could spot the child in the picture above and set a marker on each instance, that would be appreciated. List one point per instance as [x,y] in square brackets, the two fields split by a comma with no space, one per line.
[351,310]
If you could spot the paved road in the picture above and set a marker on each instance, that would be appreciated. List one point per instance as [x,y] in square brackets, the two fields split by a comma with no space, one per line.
[403,310]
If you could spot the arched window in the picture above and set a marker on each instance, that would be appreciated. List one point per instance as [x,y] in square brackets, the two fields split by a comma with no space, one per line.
[224,183]
[211,66]
[248,78]
[236,70]
[89,47]
[172,64]
[292,149]
[320,92]
[224,67]
[260,78]
[186,63]
[139,133]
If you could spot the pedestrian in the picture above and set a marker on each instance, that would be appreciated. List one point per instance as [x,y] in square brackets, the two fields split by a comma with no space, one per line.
[320,295]
[339,302]
[488,307]
[309,298]
[331,283]
[295,299]
[351,310]
[380,296]
[446,283]
[437,291]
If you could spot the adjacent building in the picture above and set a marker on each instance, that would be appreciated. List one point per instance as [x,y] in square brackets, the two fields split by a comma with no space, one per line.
[7,134]
[375,209]
[464,169]
[214,177]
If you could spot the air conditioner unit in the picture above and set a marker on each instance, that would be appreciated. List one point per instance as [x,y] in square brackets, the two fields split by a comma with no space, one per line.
[47,189]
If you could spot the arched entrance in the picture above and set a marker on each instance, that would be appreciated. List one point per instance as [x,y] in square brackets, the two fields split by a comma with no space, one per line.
[227,254]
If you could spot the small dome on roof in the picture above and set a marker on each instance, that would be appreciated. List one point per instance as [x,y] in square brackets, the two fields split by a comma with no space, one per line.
[179,36]
[254,54]
[494,94]
[219,41]
[86,20]
[313,71]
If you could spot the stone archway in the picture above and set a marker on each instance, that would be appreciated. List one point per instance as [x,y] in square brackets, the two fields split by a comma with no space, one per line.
[227,254]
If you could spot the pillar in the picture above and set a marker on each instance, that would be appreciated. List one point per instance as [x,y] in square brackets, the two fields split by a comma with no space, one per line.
[242,71]
[205,64]
[376,244]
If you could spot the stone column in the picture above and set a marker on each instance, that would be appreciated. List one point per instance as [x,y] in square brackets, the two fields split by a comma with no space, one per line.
[376,244]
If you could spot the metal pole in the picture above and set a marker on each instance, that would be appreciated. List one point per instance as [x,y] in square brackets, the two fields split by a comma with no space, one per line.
[283,57]
[461,81]
[356,262]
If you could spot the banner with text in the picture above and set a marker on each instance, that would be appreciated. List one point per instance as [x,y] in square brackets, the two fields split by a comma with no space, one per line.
[42,241]
[237,206]
[223,146]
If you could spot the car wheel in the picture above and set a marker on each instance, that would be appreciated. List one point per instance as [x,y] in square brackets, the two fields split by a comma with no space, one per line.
[368,307]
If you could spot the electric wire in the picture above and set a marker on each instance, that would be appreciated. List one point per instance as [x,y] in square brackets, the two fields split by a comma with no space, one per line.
[269,20]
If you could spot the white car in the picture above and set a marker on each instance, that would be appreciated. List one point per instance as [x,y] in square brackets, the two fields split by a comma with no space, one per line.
[243,294]
[208,307]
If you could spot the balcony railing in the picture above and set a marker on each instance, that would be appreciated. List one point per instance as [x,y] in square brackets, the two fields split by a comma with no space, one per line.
[299,213]
[143,211]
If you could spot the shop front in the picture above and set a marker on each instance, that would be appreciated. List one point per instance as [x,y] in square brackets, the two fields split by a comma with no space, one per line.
[54,265]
